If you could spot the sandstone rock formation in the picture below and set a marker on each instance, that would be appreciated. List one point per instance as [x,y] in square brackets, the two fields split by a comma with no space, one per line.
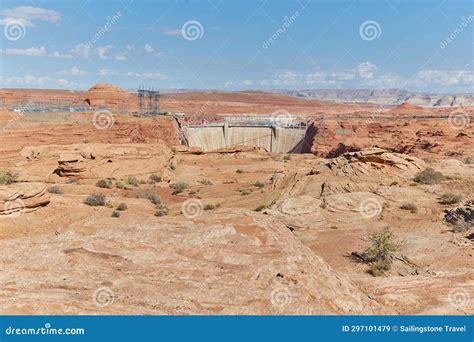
[230,262]
[19,198]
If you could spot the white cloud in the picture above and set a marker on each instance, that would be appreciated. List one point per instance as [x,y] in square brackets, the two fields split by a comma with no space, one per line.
[149,75]
[247,82]
[57,54]
[366,70]
[27,15]
[82,50]
[121,57]
[148,48]
[102,51]
[146,75]
[73,71]
[32,52]
[172,32]
[443,77]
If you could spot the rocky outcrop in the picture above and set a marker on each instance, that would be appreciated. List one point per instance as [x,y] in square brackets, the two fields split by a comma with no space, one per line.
[19,198]
[366,161]
[462,217]
[71,165]
[232,261]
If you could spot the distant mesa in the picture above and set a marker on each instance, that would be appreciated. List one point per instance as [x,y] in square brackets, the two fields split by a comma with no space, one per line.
[407,108]
[107,95]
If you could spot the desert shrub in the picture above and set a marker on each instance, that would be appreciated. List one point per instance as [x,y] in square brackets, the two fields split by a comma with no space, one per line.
[171,167]
[379,267]
[55,189]
[133,181]
[152,197]
[104,183]
[259,185]
[205,182]
[155,179]
[95,200]
[121,185]
[229,181]
[122,206]
[178,187]
[7,177]
[260,207]
[115,214]
[161,210]
[428,176]
[72,181]
[462,226]
[245,192]
[209,207]
[382,246]
[239,171]
[450,198]
[409,206]
[468,160]
[287,157]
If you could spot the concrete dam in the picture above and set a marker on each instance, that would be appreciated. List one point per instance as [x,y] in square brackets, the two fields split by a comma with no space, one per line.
[280,135]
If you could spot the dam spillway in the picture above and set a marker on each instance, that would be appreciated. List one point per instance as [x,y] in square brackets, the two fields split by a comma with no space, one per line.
[280,135]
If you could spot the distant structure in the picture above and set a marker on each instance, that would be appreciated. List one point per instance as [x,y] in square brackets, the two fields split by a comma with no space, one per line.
[148,101]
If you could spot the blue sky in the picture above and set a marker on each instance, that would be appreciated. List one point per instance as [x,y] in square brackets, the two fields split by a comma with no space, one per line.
[421,45]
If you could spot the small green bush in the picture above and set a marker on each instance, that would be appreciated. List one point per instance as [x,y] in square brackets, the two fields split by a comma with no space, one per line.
[152,197]
[121,185]
[55,189]
[178,187]
[161,210]
[155,179]
[209,207]
[7,177]
[469,160]
[409,206]
[450,198]
[382,246]
[205,182]
[379,267]
[122,206]
[259,185]
[287,157]
[245,192]
[133,181]
[104,183]
[95,200]
[72,181]
[115,214]
[428,176]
